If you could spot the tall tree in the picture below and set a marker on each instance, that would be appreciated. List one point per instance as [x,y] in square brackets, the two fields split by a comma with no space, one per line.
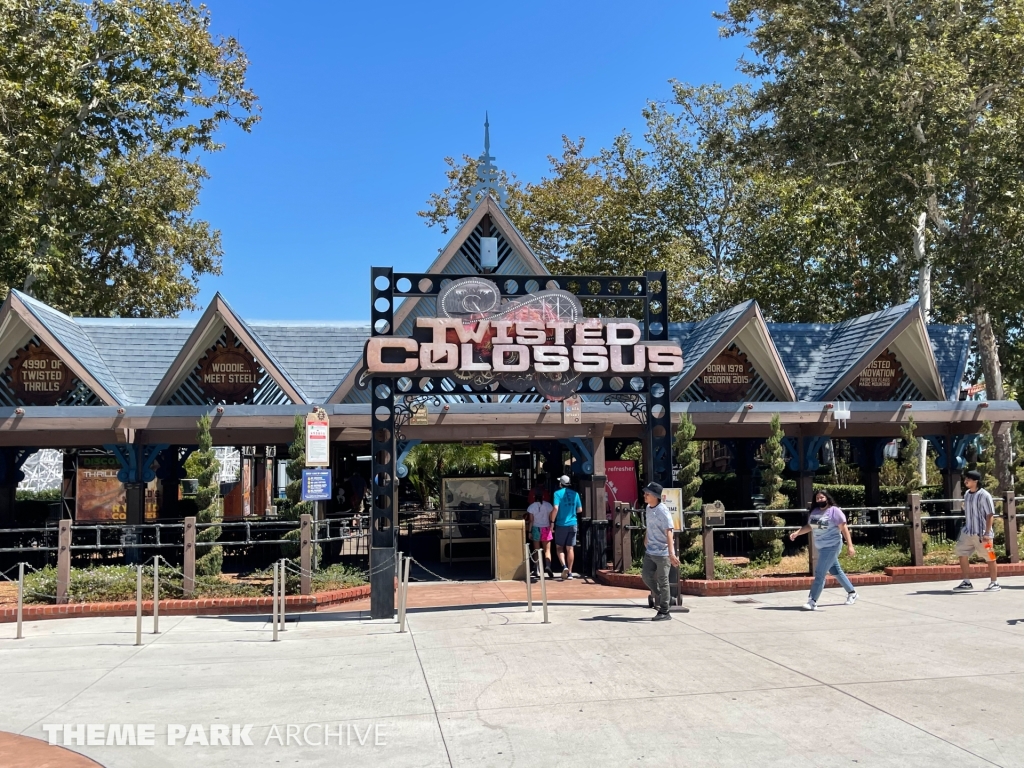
[106,107]
[911,106]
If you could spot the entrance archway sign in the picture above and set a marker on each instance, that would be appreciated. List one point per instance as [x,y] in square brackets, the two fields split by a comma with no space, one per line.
[495,336]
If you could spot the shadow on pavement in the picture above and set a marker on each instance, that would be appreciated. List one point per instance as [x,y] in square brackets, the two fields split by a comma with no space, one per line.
[615,618]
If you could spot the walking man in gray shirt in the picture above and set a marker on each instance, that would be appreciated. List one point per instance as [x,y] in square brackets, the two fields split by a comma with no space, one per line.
[976,536]
[660,550]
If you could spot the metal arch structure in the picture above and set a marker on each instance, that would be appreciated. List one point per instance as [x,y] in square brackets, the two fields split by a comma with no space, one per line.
[390,393]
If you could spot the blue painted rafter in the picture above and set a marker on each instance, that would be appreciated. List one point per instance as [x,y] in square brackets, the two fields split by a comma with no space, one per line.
[136,461]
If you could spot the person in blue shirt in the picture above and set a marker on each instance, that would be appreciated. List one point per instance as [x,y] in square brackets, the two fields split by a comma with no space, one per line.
[564,516]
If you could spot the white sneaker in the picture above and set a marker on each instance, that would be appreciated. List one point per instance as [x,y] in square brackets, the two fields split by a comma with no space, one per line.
[993,586]
[851,598]
[565,574]
[809,606]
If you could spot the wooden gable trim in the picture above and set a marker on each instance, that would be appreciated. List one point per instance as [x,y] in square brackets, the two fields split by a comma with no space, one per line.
[487,206]
[193,349]
[776,359]
[887,338]
[16,307]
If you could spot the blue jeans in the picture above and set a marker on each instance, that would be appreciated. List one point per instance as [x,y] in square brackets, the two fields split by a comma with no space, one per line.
[828,562]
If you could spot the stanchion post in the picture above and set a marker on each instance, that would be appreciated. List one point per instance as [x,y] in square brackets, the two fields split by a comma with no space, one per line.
[138,604]
[305,555]
[284,594]
[543,593]
[273,602]
[398,585]
[21,595]
[156,595]
[1010,526]
[188,568]
[528,565]
[63,560]
[916,539]
[405,594]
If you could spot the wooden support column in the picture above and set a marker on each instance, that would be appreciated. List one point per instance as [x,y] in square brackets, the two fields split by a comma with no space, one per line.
[951,477]
[916,538]
[1010,526]
[708,536]
[622,555]
[63,560]
[188,568]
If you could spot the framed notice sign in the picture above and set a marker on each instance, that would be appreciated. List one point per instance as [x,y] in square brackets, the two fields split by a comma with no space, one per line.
[672,498]
[318,439]
[316,485]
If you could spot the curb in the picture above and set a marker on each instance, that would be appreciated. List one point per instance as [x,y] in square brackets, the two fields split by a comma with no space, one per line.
[209,606]
[899,575]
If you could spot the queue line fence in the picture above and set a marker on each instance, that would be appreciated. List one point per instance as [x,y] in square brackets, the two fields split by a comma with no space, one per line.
[180,544]
[938,519]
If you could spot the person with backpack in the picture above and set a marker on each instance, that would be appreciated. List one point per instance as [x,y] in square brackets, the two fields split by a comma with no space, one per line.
[564,517]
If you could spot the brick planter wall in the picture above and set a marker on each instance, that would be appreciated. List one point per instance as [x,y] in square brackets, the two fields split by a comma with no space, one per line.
[902,575]
[208,606]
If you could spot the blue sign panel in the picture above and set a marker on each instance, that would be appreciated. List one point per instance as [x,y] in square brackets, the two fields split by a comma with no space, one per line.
[316,485]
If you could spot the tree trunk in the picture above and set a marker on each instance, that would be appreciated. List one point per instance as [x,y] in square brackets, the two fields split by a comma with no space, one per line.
[989,352]
[924,295]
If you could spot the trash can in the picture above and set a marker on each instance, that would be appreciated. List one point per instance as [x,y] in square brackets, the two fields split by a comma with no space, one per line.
[509,536]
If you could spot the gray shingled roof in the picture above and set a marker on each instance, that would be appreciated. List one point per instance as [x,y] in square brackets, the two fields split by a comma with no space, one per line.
[802,347]
[951,345]
[68,332]
[316,356]
[137,352]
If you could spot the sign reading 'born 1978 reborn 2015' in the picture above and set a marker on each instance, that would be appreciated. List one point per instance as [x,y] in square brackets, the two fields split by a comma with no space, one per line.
[542,336]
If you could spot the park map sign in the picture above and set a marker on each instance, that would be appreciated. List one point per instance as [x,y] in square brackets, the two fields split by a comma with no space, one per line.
[540,341]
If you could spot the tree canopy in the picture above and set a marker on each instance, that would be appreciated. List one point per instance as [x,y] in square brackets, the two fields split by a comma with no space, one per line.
[105,109]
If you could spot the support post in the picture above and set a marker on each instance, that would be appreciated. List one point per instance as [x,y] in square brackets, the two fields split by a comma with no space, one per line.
[63,560]
[283,594]
[274,601]
[156,595]
[916,539]
[405,593]
[543,592]
[622,556]
[528,564]
[138,605]
[1010,526]
[708,535]
[188,568]
[305,554]
[21,596]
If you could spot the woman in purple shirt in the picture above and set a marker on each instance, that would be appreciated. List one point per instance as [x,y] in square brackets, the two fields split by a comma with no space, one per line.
[827,524]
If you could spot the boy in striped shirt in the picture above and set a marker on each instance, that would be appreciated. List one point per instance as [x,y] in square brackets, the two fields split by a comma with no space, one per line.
[976,535]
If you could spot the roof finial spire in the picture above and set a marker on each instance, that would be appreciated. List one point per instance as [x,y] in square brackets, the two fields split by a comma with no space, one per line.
[486,173]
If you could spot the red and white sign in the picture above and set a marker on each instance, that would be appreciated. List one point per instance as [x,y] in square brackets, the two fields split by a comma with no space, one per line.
[620,484]
[318,439]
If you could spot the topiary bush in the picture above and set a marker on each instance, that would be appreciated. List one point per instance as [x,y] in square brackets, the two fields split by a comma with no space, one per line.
[204,463]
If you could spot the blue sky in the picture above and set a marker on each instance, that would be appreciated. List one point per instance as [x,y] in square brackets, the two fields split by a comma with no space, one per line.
[362,102]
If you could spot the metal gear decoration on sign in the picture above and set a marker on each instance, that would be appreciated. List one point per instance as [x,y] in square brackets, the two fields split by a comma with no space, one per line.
[472,299]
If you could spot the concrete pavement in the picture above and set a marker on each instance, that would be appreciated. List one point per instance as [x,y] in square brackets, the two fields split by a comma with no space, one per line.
[910,676]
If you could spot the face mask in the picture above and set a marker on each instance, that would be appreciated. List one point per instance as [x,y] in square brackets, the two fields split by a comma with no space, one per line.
[822,504]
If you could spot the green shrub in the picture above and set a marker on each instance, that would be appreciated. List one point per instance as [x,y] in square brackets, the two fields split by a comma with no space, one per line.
[49,495]
[870,559]
[211,563]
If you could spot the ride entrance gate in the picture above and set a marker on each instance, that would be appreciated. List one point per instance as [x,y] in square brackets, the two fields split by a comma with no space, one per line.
[509,335]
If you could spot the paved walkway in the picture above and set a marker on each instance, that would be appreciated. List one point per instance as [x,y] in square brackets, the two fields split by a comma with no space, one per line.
[910,676]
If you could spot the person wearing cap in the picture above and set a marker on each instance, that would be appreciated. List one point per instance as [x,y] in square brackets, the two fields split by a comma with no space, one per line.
[976,536]
[564,519]
[659,546]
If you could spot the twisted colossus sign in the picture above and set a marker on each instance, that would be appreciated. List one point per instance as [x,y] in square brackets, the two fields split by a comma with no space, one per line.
[538,341]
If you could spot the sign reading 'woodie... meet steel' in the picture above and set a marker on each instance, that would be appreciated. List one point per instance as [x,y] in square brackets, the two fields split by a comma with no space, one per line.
[39,377]
[542,337]
[229,373]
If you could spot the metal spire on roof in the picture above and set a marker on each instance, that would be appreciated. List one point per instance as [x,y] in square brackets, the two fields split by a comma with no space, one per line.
[487,180]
